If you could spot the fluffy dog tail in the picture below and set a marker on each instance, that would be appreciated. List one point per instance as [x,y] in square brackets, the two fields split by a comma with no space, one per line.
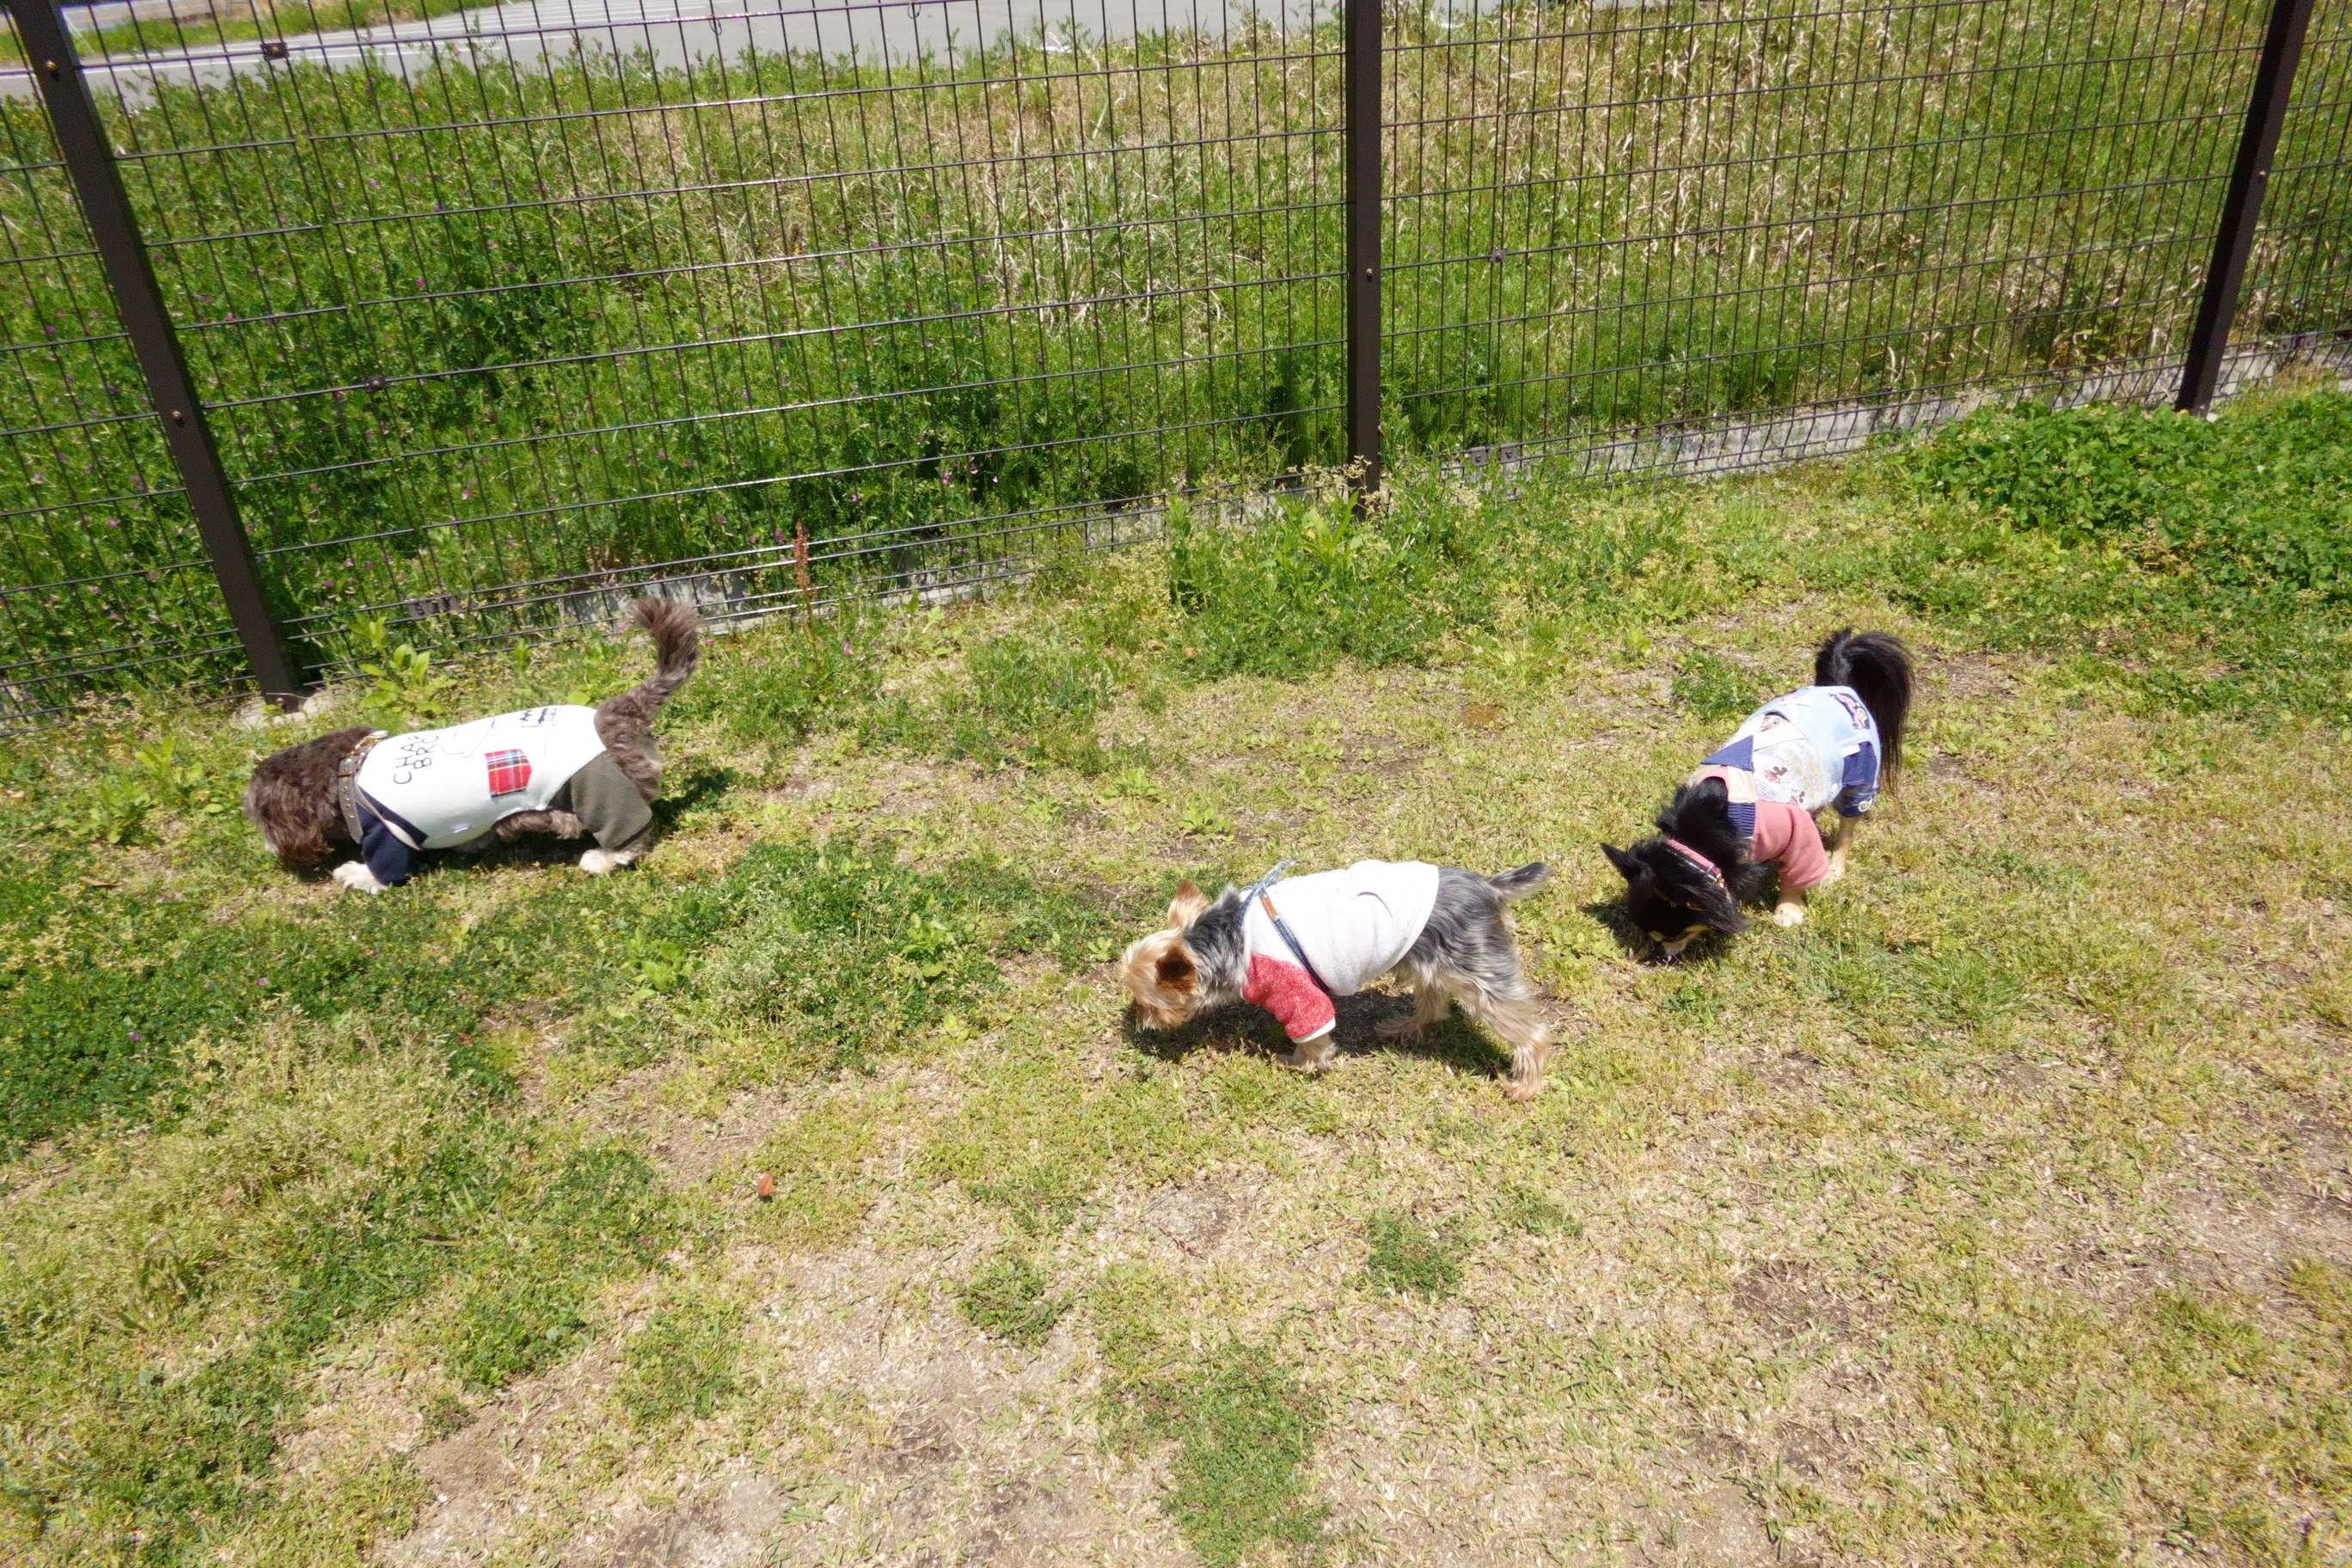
[1519,884]
[677,631]
[1878,668]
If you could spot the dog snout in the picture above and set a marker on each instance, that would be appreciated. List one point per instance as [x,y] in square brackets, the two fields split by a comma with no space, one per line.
[1156,1017]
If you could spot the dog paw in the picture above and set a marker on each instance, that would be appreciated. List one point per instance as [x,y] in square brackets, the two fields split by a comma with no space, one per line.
[1398,1028]
[597,862]
[1830,877]
[1522,1089]
[355,876]
[1787,915]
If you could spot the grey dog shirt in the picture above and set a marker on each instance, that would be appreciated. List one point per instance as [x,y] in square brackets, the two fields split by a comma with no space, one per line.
[608,801]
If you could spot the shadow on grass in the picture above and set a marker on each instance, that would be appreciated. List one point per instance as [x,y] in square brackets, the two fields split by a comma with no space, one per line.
[1455,1041]
[1707,947]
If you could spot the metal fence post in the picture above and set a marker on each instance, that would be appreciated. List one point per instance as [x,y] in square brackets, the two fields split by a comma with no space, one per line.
[1363,197]
[2241,209]
[98,185]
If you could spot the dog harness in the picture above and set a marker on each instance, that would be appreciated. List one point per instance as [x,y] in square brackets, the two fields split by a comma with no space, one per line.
[1793,756]
[1311,939]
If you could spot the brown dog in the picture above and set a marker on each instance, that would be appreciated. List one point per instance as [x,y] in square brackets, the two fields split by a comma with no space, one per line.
[561,770]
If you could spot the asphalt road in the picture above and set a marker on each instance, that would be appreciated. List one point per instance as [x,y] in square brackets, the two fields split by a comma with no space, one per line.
[685,33]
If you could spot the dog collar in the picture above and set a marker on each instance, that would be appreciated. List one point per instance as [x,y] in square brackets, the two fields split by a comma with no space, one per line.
[1714,871]
[347,788]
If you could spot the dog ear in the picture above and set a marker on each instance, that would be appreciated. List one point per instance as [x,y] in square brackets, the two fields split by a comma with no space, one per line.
[1174,969]
[1627,866]
[1189,903]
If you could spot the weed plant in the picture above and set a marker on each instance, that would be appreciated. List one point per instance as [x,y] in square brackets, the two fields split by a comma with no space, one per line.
[2204,564]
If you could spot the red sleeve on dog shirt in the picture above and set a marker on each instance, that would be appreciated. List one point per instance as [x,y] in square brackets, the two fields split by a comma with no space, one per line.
[1788,834]
[1290,993]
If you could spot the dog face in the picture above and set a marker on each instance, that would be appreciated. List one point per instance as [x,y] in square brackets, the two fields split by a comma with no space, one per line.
[1669,899]
[291,800]
[1160,972]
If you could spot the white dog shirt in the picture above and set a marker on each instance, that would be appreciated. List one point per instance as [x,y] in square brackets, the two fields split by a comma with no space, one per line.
[1353,926]
[437,788]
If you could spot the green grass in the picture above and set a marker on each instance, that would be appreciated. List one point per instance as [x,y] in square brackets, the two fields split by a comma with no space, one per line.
[1709,688]
[1242,1426]
[2208,560]
[603,1212]
[1006,1298]
[1410,1257]
[683,1363]
[169,32]
[1990,1216]
[1245,1431]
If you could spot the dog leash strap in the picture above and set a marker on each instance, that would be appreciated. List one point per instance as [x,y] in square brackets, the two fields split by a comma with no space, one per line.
[1257,890]
[1267,902]
[1259,887]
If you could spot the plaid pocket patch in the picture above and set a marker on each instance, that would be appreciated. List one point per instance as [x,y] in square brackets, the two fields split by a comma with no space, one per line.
[509,771]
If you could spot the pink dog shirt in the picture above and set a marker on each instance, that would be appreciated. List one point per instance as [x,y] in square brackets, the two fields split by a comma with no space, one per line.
[1786,834]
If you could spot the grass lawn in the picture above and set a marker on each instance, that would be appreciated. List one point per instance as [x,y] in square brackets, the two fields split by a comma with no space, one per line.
[1997,1215]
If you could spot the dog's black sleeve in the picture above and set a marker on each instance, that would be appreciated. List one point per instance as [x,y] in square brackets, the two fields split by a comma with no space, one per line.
[388,859]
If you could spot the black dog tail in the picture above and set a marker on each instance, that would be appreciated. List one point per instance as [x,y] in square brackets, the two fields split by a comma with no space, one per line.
[1878,668]
[1519,884]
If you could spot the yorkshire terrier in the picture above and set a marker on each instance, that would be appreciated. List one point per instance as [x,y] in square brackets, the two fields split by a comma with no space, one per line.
[563,770]
[1291,946]
[1750,807]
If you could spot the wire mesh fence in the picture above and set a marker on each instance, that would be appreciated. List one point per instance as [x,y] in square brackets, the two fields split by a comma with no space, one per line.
[2299,281]
[1722,236]
[106,581]
[497,311]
